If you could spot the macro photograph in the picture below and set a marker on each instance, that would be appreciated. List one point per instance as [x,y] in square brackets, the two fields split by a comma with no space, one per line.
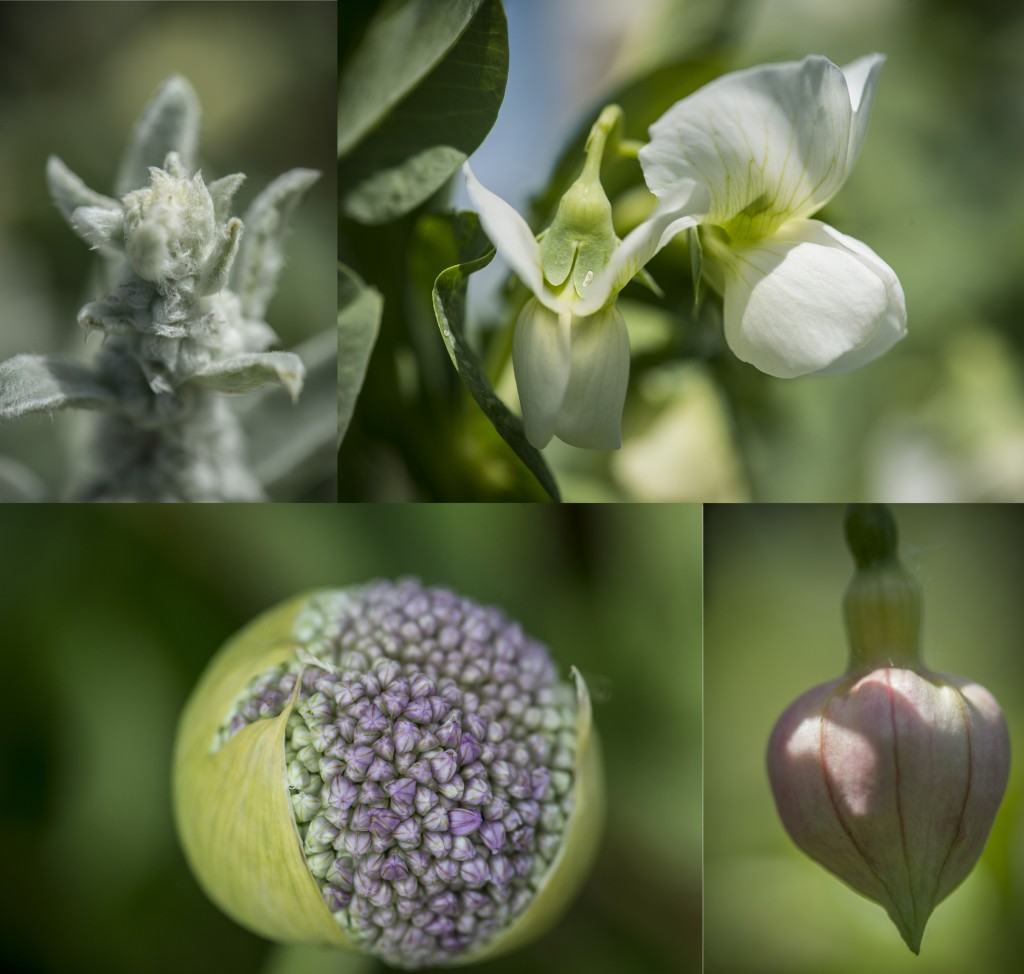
[862,704]
[700,251]
[166,252]
[305,738]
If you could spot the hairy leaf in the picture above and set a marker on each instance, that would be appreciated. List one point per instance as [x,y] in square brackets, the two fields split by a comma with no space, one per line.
[39,384]
[261,254]
[169,123]
[449,299]
[244,373]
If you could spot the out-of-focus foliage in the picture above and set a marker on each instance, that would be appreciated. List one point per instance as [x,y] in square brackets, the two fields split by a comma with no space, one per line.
[938,193]
[110,613]
[774,578]
[73,76]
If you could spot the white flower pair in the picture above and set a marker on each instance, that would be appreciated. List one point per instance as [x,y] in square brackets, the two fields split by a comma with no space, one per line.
[748,158]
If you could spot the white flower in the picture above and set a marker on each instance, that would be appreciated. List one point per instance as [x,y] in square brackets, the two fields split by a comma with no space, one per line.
[571,349]
[769,147]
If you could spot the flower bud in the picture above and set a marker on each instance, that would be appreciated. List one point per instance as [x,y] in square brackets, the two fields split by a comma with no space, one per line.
[891,776]
[338,781]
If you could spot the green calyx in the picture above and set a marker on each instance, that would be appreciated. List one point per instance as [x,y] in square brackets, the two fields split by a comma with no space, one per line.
[882,604]
[581,238]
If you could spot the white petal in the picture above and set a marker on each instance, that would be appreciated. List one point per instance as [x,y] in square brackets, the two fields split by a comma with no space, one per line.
[591,413]
[810,299]
[893,325]
[541,362]
[771,143]
[861,79]
[681,208]
[509,232]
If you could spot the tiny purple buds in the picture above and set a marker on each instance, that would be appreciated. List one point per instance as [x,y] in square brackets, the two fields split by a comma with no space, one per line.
[395,747]
[464,821]
[890,777]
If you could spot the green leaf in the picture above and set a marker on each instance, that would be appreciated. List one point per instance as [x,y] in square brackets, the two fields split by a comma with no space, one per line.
[169,123]
[38,384]
[449,297]
[244,373]
[261,254]
[415,100]
[359,312]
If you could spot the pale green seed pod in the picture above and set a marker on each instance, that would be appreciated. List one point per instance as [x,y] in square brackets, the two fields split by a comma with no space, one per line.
[392,769]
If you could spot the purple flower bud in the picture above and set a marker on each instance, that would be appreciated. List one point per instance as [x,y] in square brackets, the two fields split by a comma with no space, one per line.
[444,766]
[357,759]
[418,711]
[447,871]
[464,821]
[383,822]
[501,870]
[437,844]
[394,867]
[469,749]
[406,886]
[445,904]
[493,835]
[380,770]
[436,820]
[476,792]
[425,799]
[405,735]
[407,833]
[475,872]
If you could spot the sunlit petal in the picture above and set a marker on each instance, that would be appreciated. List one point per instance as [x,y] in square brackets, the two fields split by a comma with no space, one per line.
[509,232]
[771,143]
[541,361]
[591,413]
[810,299]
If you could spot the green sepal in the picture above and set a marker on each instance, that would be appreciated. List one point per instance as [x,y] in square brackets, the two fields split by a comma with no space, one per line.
[231,807]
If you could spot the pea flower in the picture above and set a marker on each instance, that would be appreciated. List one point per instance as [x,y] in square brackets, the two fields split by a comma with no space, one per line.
[890,776]
[389,768]
[768,147]
[570,350]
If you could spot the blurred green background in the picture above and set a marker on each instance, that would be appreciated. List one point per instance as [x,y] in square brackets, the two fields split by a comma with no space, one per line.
[774,578]
[110,614]
[73,79]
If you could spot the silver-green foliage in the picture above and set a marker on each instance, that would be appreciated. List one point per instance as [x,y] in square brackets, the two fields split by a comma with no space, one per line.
[182,321]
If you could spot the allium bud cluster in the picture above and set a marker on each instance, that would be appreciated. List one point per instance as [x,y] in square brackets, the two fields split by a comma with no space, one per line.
[431,756]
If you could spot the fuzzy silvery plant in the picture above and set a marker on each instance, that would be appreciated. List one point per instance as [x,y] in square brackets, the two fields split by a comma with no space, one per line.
[389,768]
[185,289]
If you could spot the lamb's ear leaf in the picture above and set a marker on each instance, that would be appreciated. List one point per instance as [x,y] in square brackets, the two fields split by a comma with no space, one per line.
[261,253]
[41,384]
[254,370]
[69,192]
[169,123]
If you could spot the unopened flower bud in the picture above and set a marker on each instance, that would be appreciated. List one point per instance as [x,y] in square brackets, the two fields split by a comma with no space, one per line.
[355,806]
[891,776]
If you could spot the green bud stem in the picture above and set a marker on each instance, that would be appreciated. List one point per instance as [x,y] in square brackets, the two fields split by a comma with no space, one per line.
[882,604]
[581,238]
